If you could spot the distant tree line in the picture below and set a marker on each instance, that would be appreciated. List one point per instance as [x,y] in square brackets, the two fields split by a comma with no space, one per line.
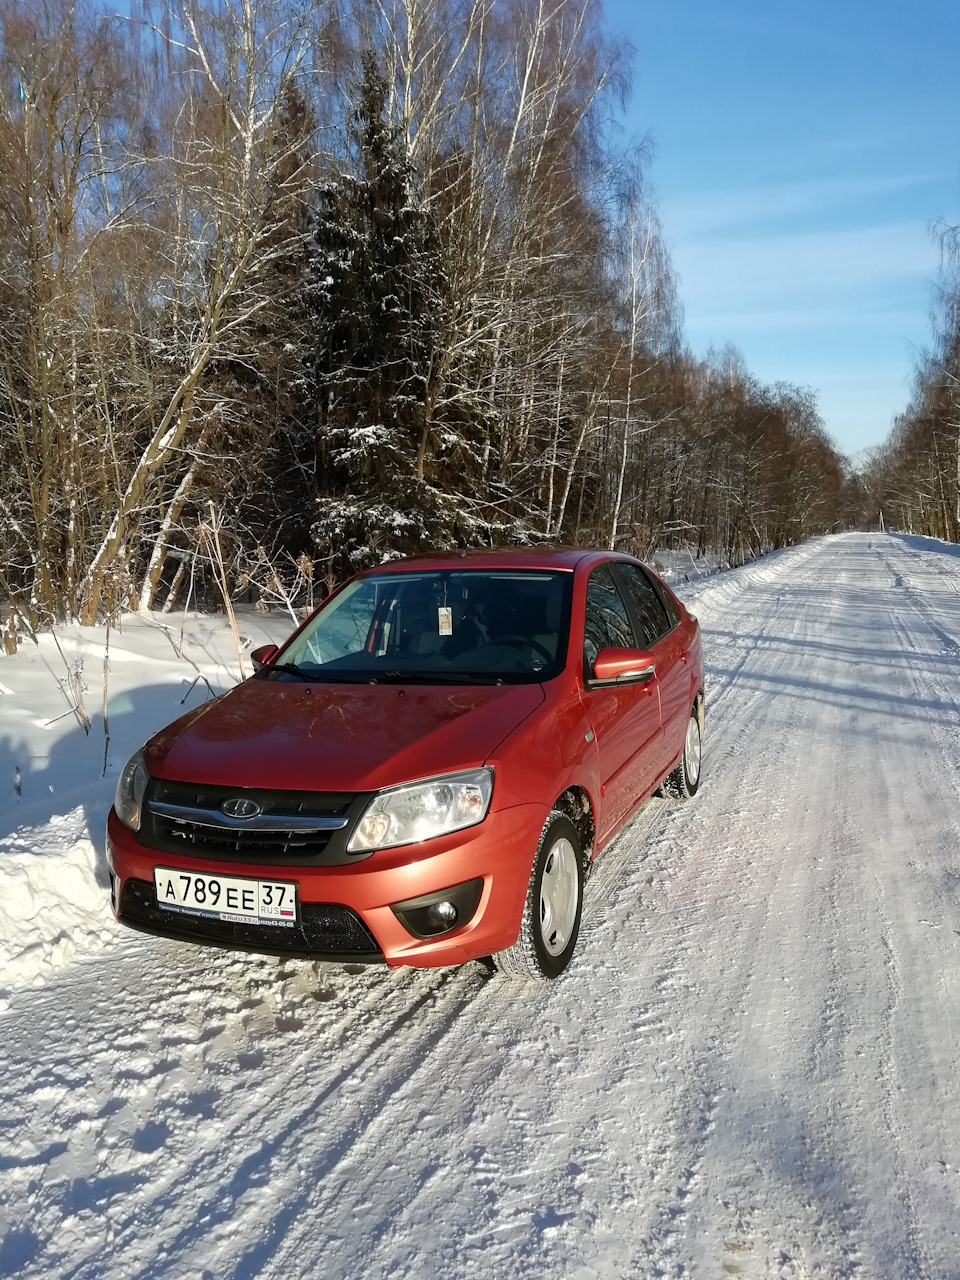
[915,477]
[301,285]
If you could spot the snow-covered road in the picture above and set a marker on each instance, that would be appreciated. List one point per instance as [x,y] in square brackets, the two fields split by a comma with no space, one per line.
[750,1070]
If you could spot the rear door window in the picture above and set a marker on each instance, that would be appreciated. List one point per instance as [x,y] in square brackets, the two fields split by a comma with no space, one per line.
[651,616]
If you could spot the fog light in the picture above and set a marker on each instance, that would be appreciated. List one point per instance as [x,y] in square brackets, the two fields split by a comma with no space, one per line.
[442,914]
[435,913]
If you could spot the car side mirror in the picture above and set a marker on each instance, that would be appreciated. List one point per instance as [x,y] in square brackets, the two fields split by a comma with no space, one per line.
[614,665]
[263,656]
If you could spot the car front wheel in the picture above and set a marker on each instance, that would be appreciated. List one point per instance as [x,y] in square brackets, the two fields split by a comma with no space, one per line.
[551,912]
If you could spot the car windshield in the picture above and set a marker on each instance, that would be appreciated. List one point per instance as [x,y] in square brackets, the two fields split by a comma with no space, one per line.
[436,626]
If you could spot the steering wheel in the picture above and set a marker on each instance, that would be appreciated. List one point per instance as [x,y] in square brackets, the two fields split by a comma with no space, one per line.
[522,642]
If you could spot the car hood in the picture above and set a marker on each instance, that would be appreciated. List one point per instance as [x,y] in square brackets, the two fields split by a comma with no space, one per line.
[338,737]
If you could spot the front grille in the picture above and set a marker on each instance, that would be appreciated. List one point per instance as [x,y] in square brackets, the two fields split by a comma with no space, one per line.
[192,837]
[232,841]
[326,929]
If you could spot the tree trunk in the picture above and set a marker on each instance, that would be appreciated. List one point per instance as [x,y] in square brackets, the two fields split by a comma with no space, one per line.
[151,581]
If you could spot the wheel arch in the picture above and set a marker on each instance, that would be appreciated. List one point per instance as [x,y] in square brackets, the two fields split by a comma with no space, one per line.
[575,804]
[699,706]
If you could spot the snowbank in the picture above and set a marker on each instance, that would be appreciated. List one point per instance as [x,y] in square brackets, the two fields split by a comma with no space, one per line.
[53,900]
[724,585]
[57,779]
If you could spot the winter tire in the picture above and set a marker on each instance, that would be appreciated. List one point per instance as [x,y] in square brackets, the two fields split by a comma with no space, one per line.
[551,913]
[684,782]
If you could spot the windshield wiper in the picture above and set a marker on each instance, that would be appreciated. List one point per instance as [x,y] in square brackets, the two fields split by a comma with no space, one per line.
[317,676]
[433,677]
[383,677]
[290,669]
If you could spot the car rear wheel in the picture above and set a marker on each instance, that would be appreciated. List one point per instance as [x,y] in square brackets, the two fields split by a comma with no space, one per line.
[551,912]
[684,782]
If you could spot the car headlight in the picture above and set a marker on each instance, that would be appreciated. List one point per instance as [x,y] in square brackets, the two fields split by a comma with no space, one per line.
[407,815]
[130,788]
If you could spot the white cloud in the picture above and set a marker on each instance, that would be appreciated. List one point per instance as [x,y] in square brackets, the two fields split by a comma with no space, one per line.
[728,208]
[879,319]
[802,278]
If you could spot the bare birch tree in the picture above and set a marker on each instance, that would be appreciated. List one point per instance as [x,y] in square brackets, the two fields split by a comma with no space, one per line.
[224,183]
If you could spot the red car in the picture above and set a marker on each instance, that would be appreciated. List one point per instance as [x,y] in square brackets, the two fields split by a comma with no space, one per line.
[425,770]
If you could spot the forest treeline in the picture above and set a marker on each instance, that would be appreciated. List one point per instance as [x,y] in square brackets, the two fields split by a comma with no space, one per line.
[914,478]
[291,286]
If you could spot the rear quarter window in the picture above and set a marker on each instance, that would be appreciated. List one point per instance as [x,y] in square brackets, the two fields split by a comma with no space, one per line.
[669,603]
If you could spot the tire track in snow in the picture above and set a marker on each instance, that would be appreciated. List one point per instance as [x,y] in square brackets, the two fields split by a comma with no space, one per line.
[749,587]
[380,1076]
[678,974]
[361,1036]
[746,951]
[922,636]
[914,1261]
[693,1116]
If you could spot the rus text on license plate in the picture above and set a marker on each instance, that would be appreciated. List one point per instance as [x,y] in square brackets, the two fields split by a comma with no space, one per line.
[227,897]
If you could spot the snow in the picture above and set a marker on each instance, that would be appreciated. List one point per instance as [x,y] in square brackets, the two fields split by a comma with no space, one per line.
[749,1070]
[57,782]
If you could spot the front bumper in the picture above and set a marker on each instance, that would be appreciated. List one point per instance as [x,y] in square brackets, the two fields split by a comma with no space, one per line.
[500,850]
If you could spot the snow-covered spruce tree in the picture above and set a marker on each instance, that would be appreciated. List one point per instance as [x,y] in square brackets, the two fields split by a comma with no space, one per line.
[377,301]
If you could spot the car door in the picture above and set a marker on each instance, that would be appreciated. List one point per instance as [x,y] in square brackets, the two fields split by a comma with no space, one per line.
[625,718]
[662,637]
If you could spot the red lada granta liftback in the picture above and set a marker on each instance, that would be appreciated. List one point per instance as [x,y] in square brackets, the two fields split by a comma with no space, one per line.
[424,772]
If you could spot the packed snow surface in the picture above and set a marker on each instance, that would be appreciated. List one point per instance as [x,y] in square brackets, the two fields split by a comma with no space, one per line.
[749,1070]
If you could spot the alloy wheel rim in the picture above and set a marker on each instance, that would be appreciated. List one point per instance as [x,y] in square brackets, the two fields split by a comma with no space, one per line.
[691,751]
[559,896]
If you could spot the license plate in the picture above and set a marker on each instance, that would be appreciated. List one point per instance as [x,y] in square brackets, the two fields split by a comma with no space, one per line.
[227,897]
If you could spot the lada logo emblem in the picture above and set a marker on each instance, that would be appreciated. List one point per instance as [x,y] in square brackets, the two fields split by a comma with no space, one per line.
[240,807]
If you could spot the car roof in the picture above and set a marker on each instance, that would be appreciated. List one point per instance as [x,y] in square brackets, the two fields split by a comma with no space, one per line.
[562,558]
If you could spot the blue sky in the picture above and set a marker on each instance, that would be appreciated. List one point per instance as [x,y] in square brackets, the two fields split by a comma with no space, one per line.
[801,152]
